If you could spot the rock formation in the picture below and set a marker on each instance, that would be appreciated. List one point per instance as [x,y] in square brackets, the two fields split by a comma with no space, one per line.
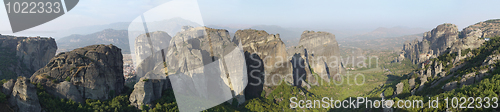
[267,59]
[446,38]
[321,53]
[146,45]
[92,72]
[201,63]
[22,56]
[399,89]
[22,95]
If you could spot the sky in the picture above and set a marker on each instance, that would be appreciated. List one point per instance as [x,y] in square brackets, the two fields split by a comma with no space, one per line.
[326,14]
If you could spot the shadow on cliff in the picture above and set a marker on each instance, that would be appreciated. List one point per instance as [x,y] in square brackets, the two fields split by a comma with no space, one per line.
[255,72]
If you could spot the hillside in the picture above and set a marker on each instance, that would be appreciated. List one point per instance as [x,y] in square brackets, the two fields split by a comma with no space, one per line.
[451,72]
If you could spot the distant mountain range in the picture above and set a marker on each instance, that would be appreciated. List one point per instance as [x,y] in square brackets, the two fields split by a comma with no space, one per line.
[171,26]
[383,32]
[115,33]
[118,38]
[391,43]
[382,38]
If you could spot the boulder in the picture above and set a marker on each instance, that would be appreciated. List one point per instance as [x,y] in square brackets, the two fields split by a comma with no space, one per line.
[412,83]
[399,88]
[450,86]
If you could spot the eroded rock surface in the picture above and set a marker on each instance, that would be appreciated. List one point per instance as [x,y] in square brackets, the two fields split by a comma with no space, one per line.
[321,54]
[95,71]
[24,97]
[25,55]
[267,59]
[447,38]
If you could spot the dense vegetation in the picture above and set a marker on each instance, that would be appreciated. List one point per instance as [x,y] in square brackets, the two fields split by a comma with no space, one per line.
[488,87]
[8,59]
[53,104]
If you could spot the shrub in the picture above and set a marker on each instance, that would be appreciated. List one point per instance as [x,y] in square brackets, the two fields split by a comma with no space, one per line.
[68,79]
[388,92]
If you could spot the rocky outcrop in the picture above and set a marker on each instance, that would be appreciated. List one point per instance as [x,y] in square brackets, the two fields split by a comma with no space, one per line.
[25,54]
[148,89]
[95,72]
[204,63]
[270,61]
[433,44]
[23,97]
[473,35]
[7,87]
[147,44]
[450,86]
[412,83]
[399,88]
[321,54]
[143,93]
[447,38]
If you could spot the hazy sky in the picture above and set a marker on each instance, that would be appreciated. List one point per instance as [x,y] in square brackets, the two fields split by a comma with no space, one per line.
[331,14]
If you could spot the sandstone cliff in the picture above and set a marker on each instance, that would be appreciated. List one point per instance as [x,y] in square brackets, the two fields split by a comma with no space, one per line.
[22,95]
[269,66]
[447,38]
[92,72]
[321,53]
[204,67]
[22,56]
[205,61]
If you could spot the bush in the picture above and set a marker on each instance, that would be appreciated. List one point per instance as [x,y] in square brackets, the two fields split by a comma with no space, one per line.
[388,92]
[3,97]
[68,79]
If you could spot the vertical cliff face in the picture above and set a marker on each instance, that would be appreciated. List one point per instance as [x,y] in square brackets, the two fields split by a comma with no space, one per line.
[207,57]
[35,53]
[92,72]
[439,39]
[22,56]
[447,38]
[270,49]
[202,64]
[321,53]
[267,60]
